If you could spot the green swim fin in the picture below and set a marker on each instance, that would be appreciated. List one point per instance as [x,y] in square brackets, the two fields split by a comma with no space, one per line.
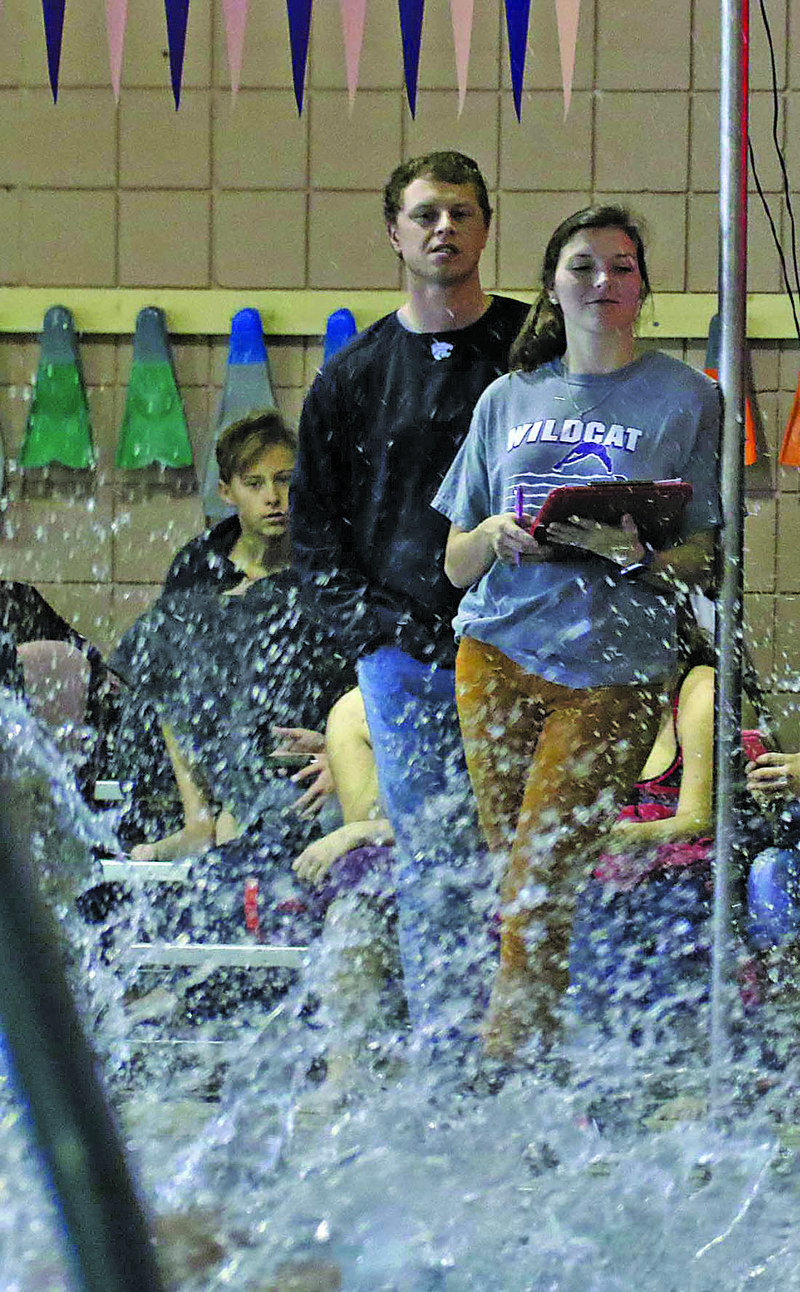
[154,423]
[58,428]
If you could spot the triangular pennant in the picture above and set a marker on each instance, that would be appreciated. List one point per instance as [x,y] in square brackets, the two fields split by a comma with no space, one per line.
[461,12]
[53,14]
[568,13]
[411,14]
[177,20]
[353,15]
[790,448]
[711,369]
[116,22]
[517,15]
[235,13]
[299,14]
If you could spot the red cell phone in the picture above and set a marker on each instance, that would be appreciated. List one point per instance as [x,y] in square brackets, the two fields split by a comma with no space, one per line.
[753,745]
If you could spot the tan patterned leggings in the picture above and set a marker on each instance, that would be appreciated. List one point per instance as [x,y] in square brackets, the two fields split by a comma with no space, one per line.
[549,766]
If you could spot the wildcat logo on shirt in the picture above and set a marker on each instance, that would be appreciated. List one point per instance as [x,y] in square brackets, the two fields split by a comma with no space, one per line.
[589,440]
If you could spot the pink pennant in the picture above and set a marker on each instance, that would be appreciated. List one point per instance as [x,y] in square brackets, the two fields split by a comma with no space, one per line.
[353,15]
[461,14]
[567,12]
[116,22]
[235,12]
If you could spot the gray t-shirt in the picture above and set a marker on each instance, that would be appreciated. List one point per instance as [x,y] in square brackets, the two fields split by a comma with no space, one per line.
[577,622]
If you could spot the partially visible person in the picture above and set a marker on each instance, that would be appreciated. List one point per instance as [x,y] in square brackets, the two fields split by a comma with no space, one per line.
[567,645]
[230,663]
[640,949]
[379,429]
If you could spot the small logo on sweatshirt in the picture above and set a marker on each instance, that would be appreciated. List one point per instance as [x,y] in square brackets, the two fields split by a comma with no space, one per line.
[441,349]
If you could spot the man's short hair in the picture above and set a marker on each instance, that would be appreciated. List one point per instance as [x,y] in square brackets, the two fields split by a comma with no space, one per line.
[242,442]
[445,167]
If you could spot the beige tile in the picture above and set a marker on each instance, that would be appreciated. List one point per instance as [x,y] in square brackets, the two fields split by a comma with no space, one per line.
[787,643]
[129,601]
[197,409]
[437,63]
[162,148]
[787,714]
[663,220]
[14,406]
[98,359]
[793,75]
[58,539]
[788,544]
[642,141]
[789,365]
[763,274]
[103,414]
[704,161]
[634,52]
[438,126]
[358,149]
[259,240]
[149,530]
[68,238]
[348,246]
[543,57]
[706,45]
[314,358]
[13,357]
[10,243]
[11,152]
[265,61]
[86,606]
[792,110]
[259,140]
[146,59]
[190,356]
[290,401]
[15,21]
[546,152]
[759,545]
[381,65]
[788,478]
[765,360]
[286,360]
[52,139]
[164,239]
[759,633]
[524,224]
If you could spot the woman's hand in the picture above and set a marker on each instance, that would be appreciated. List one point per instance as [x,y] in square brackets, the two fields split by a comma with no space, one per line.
[618,543]
[774,776]
[316,860]
[297,740]
[505,537]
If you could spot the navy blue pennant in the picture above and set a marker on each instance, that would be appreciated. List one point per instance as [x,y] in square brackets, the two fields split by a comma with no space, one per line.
[517,16]
[177,20]
[299,13]
[53,14]
[411,14]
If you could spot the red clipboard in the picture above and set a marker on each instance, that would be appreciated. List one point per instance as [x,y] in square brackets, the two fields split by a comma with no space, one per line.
[655,505]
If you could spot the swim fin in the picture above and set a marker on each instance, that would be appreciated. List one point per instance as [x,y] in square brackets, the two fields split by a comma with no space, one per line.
[154,423]
[58,429]
[247,389]
[340,329]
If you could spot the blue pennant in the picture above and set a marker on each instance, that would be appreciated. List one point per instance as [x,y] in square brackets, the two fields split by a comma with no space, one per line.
[411,13]
[517,15]
[53,14]
[177,20]
[299,13]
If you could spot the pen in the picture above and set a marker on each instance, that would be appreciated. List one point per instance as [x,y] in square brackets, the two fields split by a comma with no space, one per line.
[520,512]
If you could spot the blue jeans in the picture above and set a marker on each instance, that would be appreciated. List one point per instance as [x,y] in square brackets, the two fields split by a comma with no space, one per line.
[442,875]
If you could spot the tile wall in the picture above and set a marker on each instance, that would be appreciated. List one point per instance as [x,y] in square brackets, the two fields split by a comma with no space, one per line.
[242,193]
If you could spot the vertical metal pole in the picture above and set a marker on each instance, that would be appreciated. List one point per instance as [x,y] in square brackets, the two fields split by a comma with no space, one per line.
[733,303]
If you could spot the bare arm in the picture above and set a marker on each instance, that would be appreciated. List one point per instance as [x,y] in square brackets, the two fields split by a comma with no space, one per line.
[695,800]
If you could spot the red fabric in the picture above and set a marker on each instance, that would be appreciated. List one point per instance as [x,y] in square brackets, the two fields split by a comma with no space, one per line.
[750,453]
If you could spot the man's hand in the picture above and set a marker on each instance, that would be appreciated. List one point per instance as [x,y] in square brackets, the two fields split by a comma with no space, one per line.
[774,776]
[322,787]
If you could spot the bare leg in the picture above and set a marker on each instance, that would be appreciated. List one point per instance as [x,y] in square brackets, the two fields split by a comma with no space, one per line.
[197,834]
